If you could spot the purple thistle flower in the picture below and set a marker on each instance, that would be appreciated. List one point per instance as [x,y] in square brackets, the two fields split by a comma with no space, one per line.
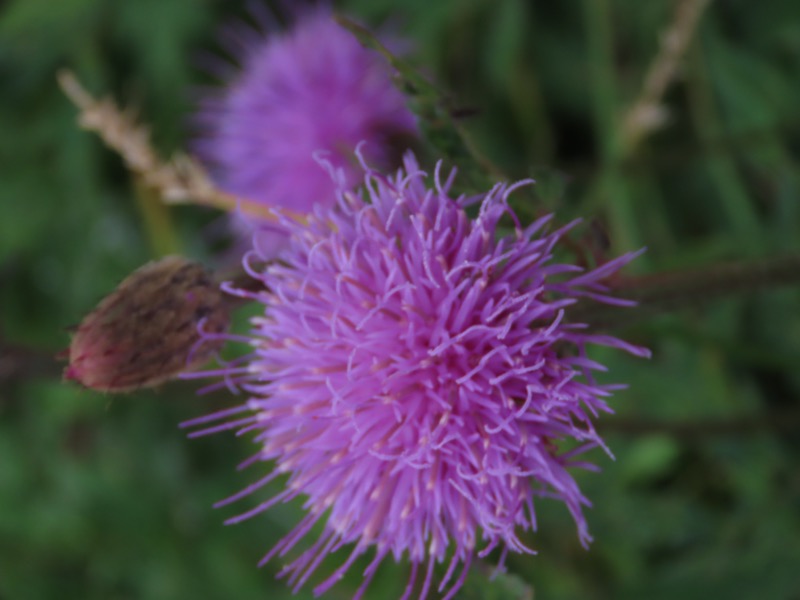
[313,90]
[416,377]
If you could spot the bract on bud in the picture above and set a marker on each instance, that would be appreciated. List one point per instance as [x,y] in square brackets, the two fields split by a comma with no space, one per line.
[159,322]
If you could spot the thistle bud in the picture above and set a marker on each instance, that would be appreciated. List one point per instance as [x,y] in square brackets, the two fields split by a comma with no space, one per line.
[152,327]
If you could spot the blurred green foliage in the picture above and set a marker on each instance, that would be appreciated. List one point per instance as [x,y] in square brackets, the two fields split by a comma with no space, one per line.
[105,498]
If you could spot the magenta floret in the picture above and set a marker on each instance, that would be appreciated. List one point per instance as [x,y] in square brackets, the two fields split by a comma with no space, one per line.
[310,91]
[415,376]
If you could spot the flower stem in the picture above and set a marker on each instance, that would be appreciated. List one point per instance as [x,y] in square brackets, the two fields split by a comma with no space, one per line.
[157,221]
[662,292]
[701,429]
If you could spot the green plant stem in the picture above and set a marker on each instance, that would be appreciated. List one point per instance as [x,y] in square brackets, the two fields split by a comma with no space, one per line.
[157,221]
[736,206]
[434,110]
[609,189]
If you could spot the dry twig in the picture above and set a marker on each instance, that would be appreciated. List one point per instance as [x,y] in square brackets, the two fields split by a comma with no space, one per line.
[647,113]
[180,180]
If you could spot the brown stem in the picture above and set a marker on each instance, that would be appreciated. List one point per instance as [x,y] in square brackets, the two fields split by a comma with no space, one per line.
[668,291]
[735,426]
[24,362]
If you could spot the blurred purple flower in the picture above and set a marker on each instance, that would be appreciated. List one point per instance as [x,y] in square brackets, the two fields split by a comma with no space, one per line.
[312,90]
[415,376]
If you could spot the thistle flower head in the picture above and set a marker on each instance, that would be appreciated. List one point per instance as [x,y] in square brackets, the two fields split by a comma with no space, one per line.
[414,374]
[311,90]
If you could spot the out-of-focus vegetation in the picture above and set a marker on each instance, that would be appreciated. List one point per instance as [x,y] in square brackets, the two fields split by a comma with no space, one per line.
[103,497]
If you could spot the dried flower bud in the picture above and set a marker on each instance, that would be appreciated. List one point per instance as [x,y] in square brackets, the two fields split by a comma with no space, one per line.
[148,330]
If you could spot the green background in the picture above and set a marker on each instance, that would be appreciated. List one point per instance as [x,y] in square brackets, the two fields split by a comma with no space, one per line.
[104,497]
